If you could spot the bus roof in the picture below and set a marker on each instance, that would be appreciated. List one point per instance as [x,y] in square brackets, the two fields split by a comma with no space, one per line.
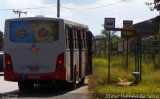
[70,23]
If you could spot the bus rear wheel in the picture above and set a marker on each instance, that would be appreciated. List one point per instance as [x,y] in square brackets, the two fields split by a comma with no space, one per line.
[25,85]
[73,85]
[82,82]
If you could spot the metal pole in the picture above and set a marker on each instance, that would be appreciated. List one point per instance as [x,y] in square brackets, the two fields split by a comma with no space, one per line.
[139,57]
[159,27]
[135,57]
[105,47]
[127,55]
[159,40]
[19,12]
[58,8]
[109,57]
[138,54]
[140,61]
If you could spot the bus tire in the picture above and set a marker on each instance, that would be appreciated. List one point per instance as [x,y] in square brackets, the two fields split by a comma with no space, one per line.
[25,85]
[73,85]
[82,82]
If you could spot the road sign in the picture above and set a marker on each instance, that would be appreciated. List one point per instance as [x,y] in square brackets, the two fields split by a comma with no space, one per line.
[109,23]
[150,47]
[127,25]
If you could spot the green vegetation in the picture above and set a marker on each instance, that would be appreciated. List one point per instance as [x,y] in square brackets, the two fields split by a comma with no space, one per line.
[99,86]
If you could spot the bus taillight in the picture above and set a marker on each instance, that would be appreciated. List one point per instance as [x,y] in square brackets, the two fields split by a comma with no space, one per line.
[8,62]
[34,49]
[60,61]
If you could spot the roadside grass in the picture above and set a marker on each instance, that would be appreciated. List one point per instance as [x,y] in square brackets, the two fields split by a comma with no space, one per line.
[98,81]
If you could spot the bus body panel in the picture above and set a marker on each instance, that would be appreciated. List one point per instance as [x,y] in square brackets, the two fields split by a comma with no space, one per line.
[68,63]
[38,60]
[83,64]
[76,63]
[26,61]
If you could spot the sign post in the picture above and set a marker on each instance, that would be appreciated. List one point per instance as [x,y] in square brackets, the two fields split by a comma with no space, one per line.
[109,24]
[127,24]
[126,32]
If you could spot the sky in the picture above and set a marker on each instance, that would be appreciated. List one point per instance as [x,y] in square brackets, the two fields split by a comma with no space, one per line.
[88,12]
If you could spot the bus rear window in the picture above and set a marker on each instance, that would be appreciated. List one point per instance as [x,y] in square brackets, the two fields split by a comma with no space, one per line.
[33,31]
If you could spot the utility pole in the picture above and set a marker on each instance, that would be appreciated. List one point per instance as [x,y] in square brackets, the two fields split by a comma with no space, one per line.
[58,8]
[19,12]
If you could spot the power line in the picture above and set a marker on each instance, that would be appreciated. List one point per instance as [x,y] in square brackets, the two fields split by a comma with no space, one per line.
[29,8]
[91,8]
[5,9]
[43,7]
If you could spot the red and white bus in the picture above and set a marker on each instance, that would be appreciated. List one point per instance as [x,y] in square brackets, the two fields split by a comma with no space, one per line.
[40,49]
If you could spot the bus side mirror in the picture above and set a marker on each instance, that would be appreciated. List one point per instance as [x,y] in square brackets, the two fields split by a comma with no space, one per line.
[90,35]
[89,32]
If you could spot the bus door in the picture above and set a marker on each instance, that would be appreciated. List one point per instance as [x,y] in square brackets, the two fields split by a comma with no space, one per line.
[80,52]
[75,53]
[70,51]
[83,53]
[89,47]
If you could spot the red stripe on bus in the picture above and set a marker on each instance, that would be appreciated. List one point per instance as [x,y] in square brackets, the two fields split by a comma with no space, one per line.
[12,76]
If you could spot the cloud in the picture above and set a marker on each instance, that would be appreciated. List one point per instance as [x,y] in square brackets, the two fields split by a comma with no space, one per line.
[49,10]
[92,14]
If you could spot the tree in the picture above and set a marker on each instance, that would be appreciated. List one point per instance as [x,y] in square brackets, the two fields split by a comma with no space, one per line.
[113,35]
[101,42]
[156,1]
[99,45]
[154,5]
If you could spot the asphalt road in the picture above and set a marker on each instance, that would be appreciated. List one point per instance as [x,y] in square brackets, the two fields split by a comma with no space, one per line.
[9,90]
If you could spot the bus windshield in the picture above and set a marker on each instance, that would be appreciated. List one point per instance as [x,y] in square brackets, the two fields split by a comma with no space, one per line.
[33,31]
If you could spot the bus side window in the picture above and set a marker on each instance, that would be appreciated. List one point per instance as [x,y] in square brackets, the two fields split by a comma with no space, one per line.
[75,39]
[79,35]
[83,39]
[67,37]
